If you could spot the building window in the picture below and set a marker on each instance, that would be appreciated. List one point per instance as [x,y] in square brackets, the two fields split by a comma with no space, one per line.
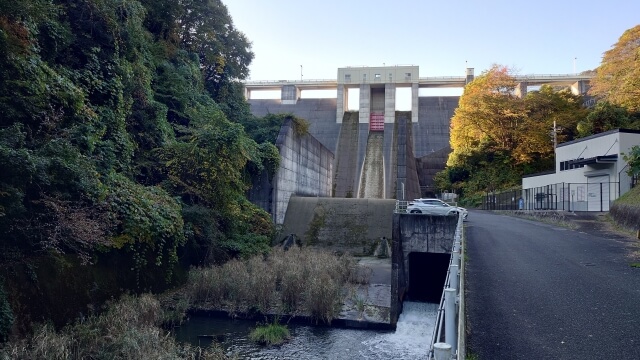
[407,76]
[347,77]
[377,76]
[390,77]
[364,77]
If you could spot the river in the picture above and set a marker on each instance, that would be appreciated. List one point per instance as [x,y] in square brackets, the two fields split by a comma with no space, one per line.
[409,341]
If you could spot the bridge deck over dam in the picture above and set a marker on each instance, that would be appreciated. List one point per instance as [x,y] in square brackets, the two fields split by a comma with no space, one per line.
[423,82]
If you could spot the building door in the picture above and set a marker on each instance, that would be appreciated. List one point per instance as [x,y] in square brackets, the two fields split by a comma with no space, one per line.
[598,193]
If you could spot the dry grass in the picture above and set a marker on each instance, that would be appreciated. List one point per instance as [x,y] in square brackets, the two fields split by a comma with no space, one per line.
[626,215]
[129,329]
[626,210]
[298,281]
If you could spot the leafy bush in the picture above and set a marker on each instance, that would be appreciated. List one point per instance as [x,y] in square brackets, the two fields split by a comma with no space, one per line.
[270,334]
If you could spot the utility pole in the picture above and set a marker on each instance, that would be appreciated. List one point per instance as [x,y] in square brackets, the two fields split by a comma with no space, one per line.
[555,137]
[555,142]
[300,72]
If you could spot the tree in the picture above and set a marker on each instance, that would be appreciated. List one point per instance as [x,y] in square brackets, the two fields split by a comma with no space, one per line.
[604,117]
[205,28]
[497,137]
[544,107]
[488,115]
[618,76]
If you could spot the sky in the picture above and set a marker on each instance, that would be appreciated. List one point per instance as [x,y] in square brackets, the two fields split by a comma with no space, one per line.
[441,37]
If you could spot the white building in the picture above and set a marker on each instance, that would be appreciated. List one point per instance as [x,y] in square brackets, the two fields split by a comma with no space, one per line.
[590,173]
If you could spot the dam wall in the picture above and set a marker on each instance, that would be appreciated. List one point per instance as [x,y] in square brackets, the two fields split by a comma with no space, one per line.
[431,132]
[347,138]
[347,157]
[320,113]
[408,185]
[428,166]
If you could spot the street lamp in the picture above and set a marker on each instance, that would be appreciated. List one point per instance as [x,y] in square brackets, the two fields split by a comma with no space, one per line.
[300,72]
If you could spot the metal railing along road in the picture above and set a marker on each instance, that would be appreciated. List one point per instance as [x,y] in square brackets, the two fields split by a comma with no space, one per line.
[461,80]
[451,310]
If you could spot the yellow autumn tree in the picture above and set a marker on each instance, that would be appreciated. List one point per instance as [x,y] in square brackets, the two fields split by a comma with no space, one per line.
[488,116]
[496,136]
[617,78]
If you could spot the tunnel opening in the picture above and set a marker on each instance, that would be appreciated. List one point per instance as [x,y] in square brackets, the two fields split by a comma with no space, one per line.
[427,273]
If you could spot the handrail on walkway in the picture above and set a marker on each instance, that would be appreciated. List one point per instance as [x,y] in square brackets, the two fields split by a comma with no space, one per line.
[449,310]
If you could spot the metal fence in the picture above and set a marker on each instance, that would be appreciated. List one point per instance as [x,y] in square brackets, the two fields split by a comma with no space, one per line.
[627,182]
[448,339]
[561,196]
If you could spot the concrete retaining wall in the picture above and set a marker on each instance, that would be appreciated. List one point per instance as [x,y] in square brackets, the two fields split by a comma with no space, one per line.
[306,168]
[347,225]
[415,233]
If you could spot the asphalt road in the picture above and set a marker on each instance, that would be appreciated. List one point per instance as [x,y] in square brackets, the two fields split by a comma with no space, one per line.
[538,291]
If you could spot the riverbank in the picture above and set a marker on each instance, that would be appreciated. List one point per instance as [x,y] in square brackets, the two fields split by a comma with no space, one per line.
[362,302]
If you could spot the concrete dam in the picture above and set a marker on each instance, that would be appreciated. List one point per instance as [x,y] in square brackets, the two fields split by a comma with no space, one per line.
[378,152]
[337,186]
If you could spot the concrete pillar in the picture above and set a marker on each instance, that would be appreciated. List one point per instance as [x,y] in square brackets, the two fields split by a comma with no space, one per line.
[247,93]
[450,312]
[365,103]
[389,103]
[342,102]
[289,94]
[521,89]
[470,75]
[580,87]
[414,102]
[442,351]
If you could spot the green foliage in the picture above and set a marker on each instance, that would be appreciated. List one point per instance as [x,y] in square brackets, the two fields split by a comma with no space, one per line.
[270,334]
[604,117]
[633,160]
[6,314]
[120,134]
[150,224]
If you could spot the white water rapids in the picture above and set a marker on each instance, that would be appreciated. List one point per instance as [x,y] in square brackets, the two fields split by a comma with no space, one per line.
[412,337]
[410,340]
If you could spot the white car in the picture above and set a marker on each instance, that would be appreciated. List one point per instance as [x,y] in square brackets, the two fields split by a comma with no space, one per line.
[435,207]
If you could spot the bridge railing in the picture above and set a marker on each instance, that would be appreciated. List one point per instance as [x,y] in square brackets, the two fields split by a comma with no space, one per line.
[450,316]
[401,206]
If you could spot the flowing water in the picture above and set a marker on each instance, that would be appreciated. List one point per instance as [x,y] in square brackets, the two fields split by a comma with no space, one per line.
[409,341]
